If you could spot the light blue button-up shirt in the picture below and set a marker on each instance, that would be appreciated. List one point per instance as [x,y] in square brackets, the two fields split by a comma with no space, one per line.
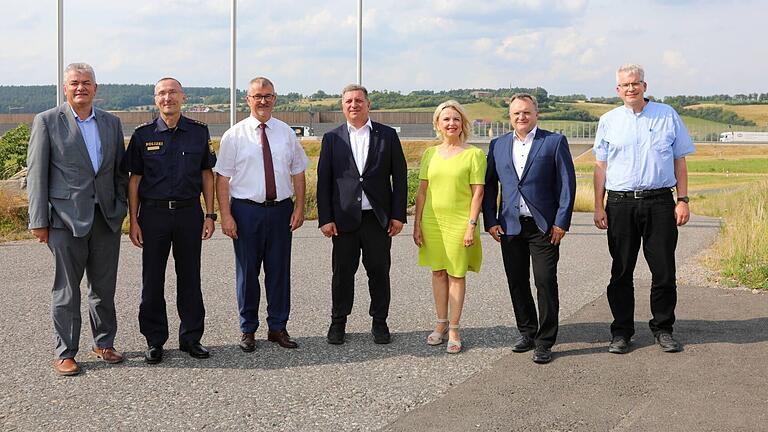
[90,131]
[640,148]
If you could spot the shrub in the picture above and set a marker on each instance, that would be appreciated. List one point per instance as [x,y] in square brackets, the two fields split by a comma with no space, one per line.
[13,150]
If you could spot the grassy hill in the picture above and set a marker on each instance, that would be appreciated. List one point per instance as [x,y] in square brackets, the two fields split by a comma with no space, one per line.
[756,113]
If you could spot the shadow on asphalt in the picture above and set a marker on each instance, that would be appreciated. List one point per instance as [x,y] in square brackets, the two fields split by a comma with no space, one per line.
[359,347]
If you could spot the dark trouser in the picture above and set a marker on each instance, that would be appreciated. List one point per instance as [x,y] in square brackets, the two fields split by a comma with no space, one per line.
[375,245]
[163,228]
[517,252]
[651,220]
[97,255]
[263,235]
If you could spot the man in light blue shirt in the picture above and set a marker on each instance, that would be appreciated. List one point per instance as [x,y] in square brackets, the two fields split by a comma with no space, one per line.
[640,151]
[90,132]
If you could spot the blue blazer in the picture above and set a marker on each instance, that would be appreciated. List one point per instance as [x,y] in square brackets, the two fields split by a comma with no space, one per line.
[339,184]
[548,184]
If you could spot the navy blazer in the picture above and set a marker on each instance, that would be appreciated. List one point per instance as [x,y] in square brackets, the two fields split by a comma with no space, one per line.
[340,185]
[548,183]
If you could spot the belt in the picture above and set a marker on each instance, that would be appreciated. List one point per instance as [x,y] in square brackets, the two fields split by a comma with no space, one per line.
[526,219]
[640,194]
[171,204]
[270,203]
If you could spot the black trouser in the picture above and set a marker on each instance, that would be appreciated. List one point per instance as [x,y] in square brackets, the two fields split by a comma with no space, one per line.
[517,252]
[162,228]
[375,245]
[652,221]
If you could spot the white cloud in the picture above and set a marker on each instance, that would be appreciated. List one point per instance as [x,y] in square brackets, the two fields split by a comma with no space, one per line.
[565,46]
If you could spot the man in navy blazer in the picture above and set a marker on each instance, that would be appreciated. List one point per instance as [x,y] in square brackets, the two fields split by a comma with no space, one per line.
[538,185]
[361,204]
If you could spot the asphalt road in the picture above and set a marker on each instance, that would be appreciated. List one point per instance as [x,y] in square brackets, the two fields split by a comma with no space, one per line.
[355,386]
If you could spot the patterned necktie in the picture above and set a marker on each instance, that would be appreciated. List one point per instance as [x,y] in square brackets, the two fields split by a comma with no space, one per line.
[269,169]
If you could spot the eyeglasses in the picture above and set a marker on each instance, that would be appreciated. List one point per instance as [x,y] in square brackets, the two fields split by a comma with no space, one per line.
[169,93]
[265,98]
[626,86]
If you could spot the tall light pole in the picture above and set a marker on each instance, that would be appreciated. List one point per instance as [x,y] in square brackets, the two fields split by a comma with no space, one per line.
[359,42]
[60,52]
[232,66]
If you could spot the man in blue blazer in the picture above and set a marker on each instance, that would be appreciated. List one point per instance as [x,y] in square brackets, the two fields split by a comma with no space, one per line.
[361,204]
[538,185]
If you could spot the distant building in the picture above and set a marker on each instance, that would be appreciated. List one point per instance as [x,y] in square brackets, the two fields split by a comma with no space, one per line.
[477,94]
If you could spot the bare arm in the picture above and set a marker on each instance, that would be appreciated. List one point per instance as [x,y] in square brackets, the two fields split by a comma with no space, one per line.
[421,198]
[134,231]
[601,218]
[299,189]
[474,213]
[208,191]
[682,212]
[228,225]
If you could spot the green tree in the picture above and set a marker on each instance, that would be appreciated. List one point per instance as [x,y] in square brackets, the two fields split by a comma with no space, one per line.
[13,150]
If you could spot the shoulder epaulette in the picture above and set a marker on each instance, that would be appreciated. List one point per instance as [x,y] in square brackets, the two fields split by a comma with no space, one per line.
[144,124]
[198,122]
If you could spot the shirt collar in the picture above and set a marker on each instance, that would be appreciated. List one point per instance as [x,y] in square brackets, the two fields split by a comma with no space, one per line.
[161,126]
[531,134]
[93,114]
[645,107]
[351,128]
[254,122]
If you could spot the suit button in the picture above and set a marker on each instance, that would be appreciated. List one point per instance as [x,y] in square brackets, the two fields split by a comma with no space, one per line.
[359,199]
[361,179]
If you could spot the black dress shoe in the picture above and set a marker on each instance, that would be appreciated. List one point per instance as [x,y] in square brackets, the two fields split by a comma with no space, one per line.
[523,344]
[248,342]
[195,350]
[542,355]
[336,333]
[668,343]
[282,338]
[154,354]
[380,332]
[619,345]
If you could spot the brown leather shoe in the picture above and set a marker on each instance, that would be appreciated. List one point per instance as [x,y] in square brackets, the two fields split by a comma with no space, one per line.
[282,338]
[109,355]
[66,367]
[247,342]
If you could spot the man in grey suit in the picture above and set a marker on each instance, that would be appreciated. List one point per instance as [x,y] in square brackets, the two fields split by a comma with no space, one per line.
[77,203]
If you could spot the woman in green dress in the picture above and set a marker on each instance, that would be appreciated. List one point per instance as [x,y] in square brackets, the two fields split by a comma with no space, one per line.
[447,207]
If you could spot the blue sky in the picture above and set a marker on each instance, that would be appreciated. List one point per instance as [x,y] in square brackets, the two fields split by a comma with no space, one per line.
[565,46]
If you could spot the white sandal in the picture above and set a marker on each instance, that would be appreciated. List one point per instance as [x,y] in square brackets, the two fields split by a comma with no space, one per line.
[437,338]
[454,346]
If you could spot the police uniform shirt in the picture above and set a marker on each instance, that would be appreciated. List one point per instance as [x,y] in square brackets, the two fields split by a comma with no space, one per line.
[170,161]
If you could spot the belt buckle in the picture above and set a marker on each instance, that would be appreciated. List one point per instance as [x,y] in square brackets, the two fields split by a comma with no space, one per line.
[171,205]
[270,203]
[637,194]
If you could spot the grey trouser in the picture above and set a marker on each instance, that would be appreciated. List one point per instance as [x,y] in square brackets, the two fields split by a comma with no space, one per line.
[97,255]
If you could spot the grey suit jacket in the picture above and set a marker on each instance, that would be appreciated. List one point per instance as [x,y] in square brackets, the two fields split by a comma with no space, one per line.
[61,184]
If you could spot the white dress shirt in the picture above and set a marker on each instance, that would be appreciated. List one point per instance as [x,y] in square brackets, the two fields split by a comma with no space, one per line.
[241,158]
[360,140]
[520,150]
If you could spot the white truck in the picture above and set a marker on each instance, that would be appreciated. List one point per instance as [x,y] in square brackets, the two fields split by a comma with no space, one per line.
[761,137]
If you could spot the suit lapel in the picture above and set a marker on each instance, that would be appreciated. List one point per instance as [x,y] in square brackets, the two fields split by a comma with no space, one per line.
[106,150]
[66,116]
[506,147]
[538,141]
[344,134]
[373,146]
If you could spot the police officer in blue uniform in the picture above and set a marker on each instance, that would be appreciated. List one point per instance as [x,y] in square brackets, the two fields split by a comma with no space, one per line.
[170,161]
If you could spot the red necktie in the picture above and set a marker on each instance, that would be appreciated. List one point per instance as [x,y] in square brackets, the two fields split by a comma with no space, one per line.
[269,169]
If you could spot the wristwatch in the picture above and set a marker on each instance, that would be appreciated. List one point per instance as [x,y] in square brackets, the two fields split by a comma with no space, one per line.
[683,199]
[211,216]
[472,222]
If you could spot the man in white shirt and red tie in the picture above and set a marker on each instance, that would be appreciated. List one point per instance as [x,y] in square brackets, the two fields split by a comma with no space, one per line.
[260,167]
